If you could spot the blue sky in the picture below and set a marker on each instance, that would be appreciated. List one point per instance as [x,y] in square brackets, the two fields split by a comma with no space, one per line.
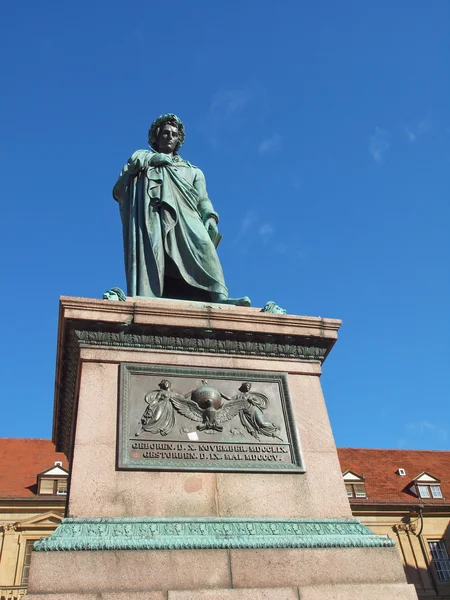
[323,129]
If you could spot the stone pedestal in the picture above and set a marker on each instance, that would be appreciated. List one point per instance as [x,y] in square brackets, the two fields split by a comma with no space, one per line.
[141,524]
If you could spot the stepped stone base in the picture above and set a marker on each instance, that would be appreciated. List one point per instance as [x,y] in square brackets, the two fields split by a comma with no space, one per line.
[309,574]
[320,592]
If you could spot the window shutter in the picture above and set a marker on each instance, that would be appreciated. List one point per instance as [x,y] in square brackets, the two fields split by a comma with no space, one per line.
[27,561]
[47,486]
[61,486]
[360,490]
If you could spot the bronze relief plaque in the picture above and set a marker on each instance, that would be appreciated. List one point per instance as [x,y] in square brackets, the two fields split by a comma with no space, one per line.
[188,419]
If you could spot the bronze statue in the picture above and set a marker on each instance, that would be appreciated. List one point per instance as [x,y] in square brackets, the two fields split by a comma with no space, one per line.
[170,230]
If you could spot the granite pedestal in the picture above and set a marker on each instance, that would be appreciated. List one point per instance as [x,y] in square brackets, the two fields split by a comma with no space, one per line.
[150,530]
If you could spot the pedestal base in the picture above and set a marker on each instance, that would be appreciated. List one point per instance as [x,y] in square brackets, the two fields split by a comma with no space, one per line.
[225,523]
[281,574]
[320,592]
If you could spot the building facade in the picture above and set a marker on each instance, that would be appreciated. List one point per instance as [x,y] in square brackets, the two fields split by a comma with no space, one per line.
[33,489]
[403,494]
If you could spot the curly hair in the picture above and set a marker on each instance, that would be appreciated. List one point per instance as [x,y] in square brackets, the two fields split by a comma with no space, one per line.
[162,120]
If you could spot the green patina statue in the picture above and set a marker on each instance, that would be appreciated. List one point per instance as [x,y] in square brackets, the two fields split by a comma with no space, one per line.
[169,224]
[114,293]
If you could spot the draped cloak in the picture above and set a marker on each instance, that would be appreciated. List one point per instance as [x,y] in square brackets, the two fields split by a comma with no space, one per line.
[163,210]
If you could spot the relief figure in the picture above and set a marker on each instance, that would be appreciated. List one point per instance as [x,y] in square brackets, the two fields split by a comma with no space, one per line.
[209,407]
[252,416]
[159,416]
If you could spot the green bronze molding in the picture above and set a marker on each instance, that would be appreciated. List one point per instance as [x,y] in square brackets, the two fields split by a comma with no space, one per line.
[211,345]
[136,533]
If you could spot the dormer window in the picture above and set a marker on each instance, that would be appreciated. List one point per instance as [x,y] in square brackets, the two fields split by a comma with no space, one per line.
[52,486]
[427,486]
[354,485]
[430,491]
[53,481]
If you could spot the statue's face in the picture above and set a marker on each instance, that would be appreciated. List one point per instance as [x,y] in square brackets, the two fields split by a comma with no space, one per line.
[110,295]
[168,138]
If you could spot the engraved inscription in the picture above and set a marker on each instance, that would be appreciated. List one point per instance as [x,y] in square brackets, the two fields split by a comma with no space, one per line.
[227,452]
[205,420]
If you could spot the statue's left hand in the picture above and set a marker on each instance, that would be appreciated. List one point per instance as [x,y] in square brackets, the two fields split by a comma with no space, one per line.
[211,225]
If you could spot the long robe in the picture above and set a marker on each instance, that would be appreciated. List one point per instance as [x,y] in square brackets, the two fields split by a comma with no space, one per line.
[252,416]
[163,210]
[159,416]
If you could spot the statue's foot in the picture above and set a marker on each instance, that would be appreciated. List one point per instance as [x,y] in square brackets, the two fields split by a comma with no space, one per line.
[222,299]
[244,301]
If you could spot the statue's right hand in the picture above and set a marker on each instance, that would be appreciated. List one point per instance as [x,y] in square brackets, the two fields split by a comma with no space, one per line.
[158,159]
[134,166]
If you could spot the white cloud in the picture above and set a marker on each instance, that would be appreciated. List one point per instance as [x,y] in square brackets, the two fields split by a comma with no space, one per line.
[410,134]
[266,231]
[245,232]
[414,131]
[379,144]
[250,218]
[254,231]
[227,106]
[427,428]
[270,144]
[226,103]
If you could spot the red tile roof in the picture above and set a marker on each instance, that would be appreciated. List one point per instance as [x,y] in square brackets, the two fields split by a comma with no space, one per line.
[21,459]
[384,485]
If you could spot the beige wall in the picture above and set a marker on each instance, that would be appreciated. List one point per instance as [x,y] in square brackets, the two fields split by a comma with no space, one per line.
[413,548]
[19,524]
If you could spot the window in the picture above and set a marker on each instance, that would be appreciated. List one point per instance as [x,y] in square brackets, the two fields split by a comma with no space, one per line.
[436,491]
[424,491]
[440,559]
[46,486]
[429,491]
[27,561]
[356,490]
[53,486]
[61,487]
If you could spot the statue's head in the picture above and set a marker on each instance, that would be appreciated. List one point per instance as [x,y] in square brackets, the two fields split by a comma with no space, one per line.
[165,384]
[272,307]
[245,387]
[157,130]
[114,293]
